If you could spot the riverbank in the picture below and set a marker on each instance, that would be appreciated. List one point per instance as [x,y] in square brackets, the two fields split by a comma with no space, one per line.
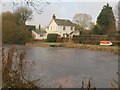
[111,49]
[45,44]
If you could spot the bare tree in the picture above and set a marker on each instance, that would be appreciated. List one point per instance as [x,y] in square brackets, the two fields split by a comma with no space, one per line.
[23,14]
[34,5]
[83,20]
[117,15]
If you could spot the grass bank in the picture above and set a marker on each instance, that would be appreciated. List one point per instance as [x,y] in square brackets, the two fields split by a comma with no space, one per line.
[112,49]
[45,44]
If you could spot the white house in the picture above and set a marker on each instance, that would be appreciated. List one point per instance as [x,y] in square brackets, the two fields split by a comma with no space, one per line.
[39,34]
[62,27]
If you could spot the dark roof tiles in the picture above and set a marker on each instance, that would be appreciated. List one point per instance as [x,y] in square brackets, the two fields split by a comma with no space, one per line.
[40,31]
[63,22]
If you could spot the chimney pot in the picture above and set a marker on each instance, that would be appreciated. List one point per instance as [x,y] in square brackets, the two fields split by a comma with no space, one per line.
[53,17]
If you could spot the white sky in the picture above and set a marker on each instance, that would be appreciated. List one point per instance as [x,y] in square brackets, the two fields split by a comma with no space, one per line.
[65,10]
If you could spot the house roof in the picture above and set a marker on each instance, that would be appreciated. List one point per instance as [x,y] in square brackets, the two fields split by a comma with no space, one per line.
[40,31]
[63,22]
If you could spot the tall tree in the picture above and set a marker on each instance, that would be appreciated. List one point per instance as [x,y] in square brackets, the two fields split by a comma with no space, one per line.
[106,21]
[23,14]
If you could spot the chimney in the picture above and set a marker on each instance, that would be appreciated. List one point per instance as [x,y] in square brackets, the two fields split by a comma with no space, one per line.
[39,26]
[53,17]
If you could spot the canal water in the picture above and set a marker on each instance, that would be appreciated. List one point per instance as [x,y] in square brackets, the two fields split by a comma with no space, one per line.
[68,67]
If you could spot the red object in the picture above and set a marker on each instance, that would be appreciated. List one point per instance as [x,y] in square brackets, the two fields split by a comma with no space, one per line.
[105,43]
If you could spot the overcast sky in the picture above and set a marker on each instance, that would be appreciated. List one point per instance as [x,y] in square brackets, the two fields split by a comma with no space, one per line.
[65,10]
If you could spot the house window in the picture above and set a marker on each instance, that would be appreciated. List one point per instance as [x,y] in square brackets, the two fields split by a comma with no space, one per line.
[63,35]
[41,35]
[51,28]
[71,28]
[63,27]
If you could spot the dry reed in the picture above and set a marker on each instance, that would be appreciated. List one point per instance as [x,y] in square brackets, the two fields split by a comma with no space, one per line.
[13,74]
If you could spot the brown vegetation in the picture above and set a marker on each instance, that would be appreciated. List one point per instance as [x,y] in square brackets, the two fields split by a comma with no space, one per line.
[12,32]
[110,49]
[115,83]
[93,47]
[13,70]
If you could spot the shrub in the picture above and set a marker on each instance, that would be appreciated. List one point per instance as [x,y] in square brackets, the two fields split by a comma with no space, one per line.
[13,33]
[14,66]
[114,36]
[52,37]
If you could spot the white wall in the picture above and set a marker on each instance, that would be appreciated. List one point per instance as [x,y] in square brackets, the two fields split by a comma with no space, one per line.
[58,29]
[53,25]
[37,36]
[66,31]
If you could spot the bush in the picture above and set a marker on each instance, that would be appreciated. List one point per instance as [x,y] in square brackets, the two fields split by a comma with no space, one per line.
[114,36]
[52,37]
[13,33]
[96,31]
[14,69]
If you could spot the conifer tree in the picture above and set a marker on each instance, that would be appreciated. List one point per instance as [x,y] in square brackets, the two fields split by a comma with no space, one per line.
[106,21]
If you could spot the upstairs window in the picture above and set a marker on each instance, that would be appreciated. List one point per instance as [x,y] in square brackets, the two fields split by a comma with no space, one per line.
[51,28]
[71,28]
[63,27]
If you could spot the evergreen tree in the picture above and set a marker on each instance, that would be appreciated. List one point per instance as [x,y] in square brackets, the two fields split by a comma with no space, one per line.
[106,21]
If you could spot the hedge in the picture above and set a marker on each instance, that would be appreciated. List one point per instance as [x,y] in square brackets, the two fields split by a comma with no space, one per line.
[52,37]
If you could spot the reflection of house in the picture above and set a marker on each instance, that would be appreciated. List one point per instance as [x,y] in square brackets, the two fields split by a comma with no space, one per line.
[62,27]
[39,34]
